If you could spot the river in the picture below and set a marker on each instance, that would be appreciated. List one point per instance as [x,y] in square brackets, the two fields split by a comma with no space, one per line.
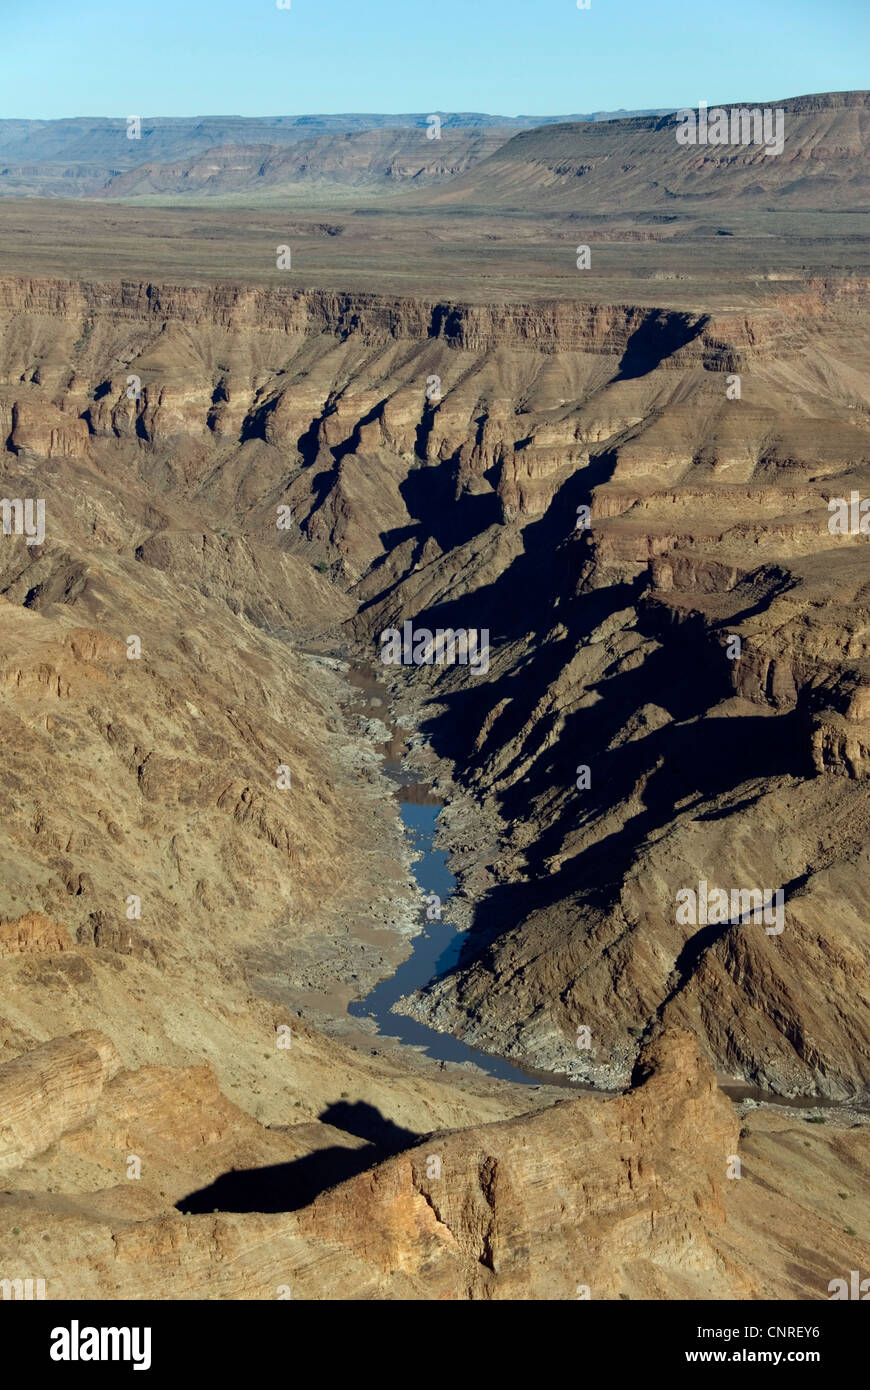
[437,948]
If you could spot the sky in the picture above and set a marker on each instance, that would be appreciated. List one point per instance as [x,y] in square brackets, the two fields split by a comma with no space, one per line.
[504,57]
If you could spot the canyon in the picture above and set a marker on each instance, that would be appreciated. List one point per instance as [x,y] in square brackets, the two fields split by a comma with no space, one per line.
[183,930]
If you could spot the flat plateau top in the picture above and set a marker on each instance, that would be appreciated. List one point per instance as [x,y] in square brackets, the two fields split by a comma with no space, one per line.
[721,261]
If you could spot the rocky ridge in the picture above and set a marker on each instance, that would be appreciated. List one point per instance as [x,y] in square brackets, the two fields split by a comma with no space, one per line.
[647,1210]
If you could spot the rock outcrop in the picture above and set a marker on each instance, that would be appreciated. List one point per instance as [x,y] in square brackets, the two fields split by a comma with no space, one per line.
[632,1197]
[51,1089]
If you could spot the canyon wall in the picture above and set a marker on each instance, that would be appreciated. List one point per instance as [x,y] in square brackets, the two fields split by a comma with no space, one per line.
[430,461]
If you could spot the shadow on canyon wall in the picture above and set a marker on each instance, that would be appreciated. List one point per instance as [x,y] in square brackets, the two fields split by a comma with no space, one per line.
[681,669]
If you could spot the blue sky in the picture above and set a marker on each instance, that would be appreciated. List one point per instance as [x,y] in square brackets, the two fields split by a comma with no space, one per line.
[531,57]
